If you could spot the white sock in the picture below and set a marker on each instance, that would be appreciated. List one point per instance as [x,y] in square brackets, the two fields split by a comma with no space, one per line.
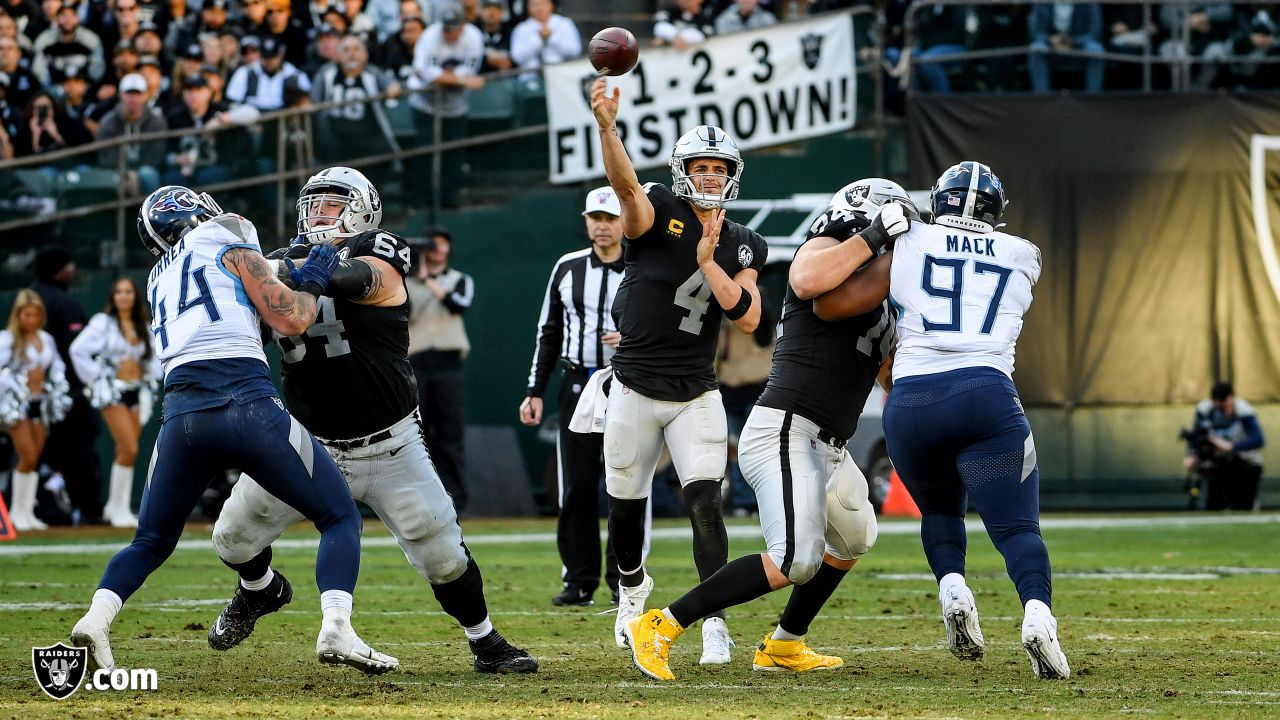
[24,492]
[666,613]
[948,582]
[120,497]
[475,632]
[105,606]
[262,583]
[780,634]
[1036,607]
[336,605]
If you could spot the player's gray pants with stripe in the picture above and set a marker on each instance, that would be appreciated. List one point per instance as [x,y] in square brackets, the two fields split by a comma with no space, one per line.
[635,426]
[395,477]
[812,496]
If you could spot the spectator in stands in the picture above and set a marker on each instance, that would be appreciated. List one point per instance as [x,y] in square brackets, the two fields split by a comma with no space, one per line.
[940,30]
[252,19]
[446,60]
[157,83]
[125,20]
[12,123]
[208,157]
[1208,31]
[124,60]
[22,82]
[174,12]
[362,127]
[684,24]
[397,52]
[545,38]
[1228,456]
[497,36]
[1127,34]
[77,103]
[49,128]
[744,15]
[186,62]
[132,116]
[287,31]
[471,12]
[1063,26]
[388,15]
[149,11]
[998,26]
[66,42]
[335,16]
[359,23]
[27,16]
[323,51]
[216,80]
[150,43]
[211,20]
[9,28]
[261,83]
[1255,38]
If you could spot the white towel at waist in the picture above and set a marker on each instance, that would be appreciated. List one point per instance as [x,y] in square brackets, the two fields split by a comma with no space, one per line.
[588,416]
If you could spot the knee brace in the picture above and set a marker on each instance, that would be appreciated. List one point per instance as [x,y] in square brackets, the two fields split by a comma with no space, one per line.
[851,521]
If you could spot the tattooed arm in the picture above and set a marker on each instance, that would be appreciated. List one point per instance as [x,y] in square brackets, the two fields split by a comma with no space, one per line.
[286,311]
[368,281]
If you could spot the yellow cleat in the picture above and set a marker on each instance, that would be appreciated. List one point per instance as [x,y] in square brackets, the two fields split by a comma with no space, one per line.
[793,655]
[651,636]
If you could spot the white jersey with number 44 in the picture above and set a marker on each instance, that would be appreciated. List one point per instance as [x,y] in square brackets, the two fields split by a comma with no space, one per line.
[960,296]
[199,310]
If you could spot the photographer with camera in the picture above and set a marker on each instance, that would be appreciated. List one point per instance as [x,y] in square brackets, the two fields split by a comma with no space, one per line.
[1224,451]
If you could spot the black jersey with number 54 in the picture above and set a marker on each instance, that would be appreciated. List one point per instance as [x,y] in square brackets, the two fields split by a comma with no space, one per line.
[668,317]
[348,375]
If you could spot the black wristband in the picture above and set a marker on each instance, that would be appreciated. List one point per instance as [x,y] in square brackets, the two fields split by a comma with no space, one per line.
[313,288]
[875,237]
[744,304]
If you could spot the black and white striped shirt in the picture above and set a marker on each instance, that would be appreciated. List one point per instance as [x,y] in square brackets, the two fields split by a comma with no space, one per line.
[575,313]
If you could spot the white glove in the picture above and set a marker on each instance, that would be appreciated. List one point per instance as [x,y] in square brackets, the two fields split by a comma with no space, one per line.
[887,226]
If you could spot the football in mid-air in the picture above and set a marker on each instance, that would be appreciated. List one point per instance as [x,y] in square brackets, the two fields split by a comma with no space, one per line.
[613,51]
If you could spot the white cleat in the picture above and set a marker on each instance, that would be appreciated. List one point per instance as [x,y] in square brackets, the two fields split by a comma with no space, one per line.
[26,522]
[960,617]
[1040,640]
[630,606]
[88,634]
[338,644]
[715,642]
[121,519]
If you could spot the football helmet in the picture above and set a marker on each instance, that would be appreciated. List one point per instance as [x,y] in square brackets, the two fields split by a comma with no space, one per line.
[701,142]
[362,208]
[868,195]
[968,196]
[171,212]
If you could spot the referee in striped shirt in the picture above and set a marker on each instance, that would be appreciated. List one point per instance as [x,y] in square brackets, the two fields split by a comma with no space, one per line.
[576,326]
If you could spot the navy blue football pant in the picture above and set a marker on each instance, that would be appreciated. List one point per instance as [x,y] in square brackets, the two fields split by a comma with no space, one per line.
[959,436]
[259,438]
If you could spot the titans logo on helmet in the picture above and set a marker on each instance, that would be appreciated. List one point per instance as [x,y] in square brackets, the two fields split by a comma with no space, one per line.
[180,199]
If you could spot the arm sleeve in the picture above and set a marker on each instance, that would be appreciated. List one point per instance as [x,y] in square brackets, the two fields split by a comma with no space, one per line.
[87,345]
[352,280]
[238,85]
[1253,439]
[550,335]
[526,45]
[423,68]
[458,300]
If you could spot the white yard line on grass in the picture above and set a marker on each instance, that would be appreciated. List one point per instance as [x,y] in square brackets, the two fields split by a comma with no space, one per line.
[888,527]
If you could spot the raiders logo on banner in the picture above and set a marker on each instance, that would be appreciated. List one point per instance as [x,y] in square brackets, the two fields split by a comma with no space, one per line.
[59,669]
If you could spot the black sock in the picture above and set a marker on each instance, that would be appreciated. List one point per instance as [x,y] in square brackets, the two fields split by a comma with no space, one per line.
[626,530]
[807,599]
[253,568]
[463,597]
[742,580]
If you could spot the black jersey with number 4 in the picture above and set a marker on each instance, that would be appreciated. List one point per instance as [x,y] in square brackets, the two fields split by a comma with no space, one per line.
[348,375]
[668,317]
[822,370]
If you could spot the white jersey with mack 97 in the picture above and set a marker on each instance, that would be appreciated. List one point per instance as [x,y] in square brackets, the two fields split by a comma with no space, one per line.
[199,310]
[960,296]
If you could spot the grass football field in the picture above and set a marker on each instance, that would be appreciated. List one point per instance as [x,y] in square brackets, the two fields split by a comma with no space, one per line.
[1160,616]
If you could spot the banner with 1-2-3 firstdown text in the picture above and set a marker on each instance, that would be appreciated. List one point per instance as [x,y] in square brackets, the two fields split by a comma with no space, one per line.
[763,87]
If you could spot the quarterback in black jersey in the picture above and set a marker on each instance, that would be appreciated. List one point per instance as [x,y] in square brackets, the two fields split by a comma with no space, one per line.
[814,508]
[359,342]
[685,267]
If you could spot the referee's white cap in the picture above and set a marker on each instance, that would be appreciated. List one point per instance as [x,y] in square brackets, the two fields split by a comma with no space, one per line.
[603,199]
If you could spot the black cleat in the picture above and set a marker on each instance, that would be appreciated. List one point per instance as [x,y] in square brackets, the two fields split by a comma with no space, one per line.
[572,595]
[237,619]
[495,655]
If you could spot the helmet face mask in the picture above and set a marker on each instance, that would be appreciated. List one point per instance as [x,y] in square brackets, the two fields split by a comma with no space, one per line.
[171,212]
[968,196]
[335,203]
[706,142]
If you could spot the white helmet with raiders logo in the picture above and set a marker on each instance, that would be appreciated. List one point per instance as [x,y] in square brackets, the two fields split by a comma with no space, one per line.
[705,141]
[868,195]
[361,208]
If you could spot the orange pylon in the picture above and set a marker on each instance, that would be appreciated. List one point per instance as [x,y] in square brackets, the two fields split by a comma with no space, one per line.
[898,502]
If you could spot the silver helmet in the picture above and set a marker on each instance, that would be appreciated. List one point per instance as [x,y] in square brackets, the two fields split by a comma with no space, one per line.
[868,195]
[705,141]
[362,211]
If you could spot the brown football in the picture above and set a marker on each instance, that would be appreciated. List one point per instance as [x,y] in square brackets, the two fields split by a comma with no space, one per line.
[613,51]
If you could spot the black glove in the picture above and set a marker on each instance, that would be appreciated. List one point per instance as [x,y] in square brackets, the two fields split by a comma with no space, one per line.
[888,224]
[315,272]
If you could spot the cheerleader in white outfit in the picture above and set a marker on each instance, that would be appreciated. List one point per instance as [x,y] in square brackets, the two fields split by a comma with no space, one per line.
[115,361]
[33,395]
